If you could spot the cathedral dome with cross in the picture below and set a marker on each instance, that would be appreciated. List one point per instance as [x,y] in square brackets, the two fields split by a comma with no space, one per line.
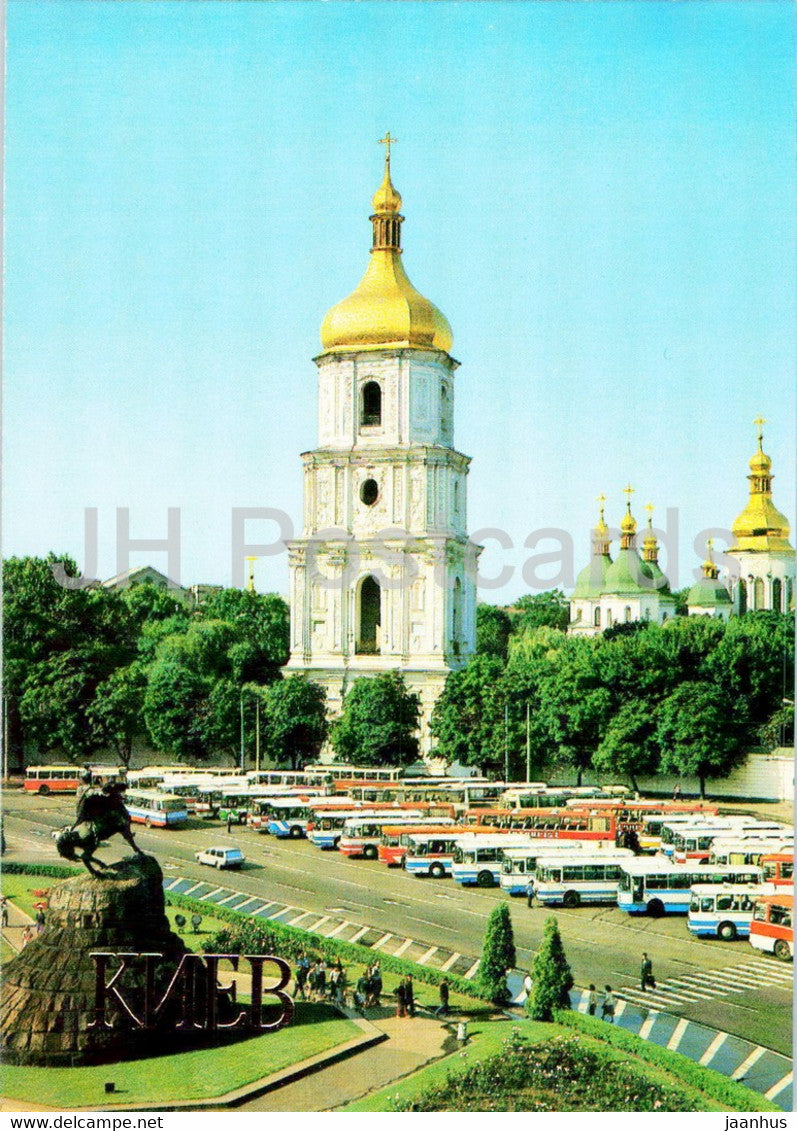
[385,309]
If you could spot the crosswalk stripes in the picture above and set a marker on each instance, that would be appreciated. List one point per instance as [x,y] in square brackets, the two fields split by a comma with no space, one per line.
[747,1064]
[708,985]
[677,1033]
[781,1086]
[404,946]
[713,1049]
[648,1024]
[425,957]
[449,962]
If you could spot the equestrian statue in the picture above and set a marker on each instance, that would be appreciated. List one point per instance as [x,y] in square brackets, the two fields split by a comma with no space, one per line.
[100,814]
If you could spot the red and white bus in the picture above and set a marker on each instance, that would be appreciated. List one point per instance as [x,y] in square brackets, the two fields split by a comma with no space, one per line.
[771,929]
[779,868]
[558,824]
[66,779]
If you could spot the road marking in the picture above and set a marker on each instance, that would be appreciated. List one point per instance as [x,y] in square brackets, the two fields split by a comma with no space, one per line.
[320,922]
[227,898]
[298,919]
[648,1024]
[382,941]
[359,934]
[338,929]
[199,885]
[425,957]
[786,975]
[246,902]
[619,1009]
[270,903]
[284,911]
[678,1032]
[713,1048]
[473,968]
[210,894]
[404,946]
[743,1068]
[706,993]
[171,884]
[651,1000]
[449,962]
[776,1089]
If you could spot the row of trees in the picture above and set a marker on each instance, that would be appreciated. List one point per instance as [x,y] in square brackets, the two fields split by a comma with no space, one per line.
[688,698]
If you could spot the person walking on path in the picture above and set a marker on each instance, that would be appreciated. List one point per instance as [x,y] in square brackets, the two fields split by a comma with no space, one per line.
[409,993]
[4,906]
[442,1010]
[39,921]
[401,999]
[607,1009]
[592,1000]
[646,973]
[27,935]
[376,984]
[301,978]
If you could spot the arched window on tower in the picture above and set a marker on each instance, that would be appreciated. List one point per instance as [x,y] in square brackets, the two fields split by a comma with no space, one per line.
[628,614]
[371,414]
[742,590]
[369,618]
[596,617]
[456,626]
[760,600]
[777,595]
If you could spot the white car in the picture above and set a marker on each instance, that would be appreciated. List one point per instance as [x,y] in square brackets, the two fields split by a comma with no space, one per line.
[220,857]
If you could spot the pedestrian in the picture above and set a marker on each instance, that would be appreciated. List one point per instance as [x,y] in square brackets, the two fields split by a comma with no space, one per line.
[362,991]
[442,1010]
[332,982]
[676,793]
[376,984]
[646,973]
[196,922]
[409,994]
[341,986]
[4,906]
[609,1003]
[27,935]
[592,1000]
[401,999]
[39,921]
[530,893]
[300,977]
[321,979]
[229,822]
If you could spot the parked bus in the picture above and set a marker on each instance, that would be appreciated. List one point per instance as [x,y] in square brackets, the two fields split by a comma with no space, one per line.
[657,886]
[431,853]
[518,864]
[396,840]
[651,835]
[779,868]
[362,835]
[771,929]
[326,827]
[66,779]
[696,844]
[155,810]
[557,824]
[286,816]
[748,850]
[672,827]
[725,912]
[571,881]
[477,859]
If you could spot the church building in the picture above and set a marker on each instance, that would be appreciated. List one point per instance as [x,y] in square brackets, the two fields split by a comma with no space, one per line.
[383,575]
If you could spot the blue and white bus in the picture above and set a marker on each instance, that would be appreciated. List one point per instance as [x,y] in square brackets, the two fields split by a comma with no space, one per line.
[477,859]
[656,886]
[724,912]
[570,881]
[519,864]
[155,810]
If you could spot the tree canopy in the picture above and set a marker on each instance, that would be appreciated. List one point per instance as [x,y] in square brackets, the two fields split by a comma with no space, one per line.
[379,723]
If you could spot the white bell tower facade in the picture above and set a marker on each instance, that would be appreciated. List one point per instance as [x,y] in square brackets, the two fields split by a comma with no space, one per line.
[383,576]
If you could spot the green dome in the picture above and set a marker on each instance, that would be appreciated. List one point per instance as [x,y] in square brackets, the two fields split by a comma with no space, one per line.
[660,582]
[708,593]
[591,582]
[624,575]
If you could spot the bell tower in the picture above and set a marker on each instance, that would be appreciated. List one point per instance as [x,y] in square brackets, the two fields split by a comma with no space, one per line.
[383,575]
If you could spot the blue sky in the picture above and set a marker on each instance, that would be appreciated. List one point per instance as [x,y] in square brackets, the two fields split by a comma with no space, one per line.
[599,196]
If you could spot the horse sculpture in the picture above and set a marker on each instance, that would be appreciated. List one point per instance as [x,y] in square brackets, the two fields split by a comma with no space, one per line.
[100,814]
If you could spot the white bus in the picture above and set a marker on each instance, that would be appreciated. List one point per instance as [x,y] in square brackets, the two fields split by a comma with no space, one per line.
[696,824]
[155,810]
[657,886]
[724,912]
[362,835]
[571,881]
[289,815]
[518,864]
[748,850]
[477,859]
[695,843]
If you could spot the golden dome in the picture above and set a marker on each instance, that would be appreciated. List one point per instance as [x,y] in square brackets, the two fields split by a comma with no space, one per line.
[385,310]
[761,526]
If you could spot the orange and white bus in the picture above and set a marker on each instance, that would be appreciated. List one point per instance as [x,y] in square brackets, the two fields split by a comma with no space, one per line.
[771,929]
[395,840]
[779,868]
[66,779]
[558,824]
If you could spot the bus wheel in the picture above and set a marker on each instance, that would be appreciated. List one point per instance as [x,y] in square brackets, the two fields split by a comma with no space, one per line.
[43,790]
[571,899]
[369,852]
[782,950]
[436,870]
[148,822]
[485,880]
[295,832]
[727,931]
[655,908]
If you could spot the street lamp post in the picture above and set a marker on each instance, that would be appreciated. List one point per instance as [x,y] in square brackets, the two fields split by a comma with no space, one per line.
[243,754]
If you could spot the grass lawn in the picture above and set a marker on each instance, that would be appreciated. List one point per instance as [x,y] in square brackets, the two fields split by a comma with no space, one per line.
[487,1038]
[185,1076]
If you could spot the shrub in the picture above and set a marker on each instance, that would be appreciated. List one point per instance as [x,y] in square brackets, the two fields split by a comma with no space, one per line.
[498,954]
[550,975]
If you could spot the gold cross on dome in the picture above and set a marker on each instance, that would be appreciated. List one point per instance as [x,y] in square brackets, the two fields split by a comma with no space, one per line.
[601,499]
[629,491]
[387,141]
[650,509]
[759,423]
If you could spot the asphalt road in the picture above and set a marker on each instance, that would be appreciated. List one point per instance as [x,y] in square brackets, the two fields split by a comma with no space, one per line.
[603,945]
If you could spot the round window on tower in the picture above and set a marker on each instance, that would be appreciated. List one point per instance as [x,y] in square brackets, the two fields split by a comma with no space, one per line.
[369,492]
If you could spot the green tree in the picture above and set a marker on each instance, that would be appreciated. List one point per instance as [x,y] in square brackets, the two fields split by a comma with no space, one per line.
[493,629]
[260,620]
[468,717]
[699,733]
[778,730]
[536,610]
[379,724]
[754,662]
[498,954]
[551,977]
[174,708]
[296,720]
[629,746]
[576,704]
[116,713]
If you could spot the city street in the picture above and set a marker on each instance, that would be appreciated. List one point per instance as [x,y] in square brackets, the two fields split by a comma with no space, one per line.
[725,985]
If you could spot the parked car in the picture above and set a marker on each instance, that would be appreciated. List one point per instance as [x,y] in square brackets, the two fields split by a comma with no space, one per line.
[220,857]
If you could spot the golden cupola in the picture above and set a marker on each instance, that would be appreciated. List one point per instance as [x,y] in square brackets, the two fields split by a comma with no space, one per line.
[761,526]
[385,310]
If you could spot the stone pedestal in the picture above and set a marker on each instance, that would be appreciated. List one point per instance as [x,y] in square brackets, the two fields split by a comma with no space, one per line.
[48,991]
